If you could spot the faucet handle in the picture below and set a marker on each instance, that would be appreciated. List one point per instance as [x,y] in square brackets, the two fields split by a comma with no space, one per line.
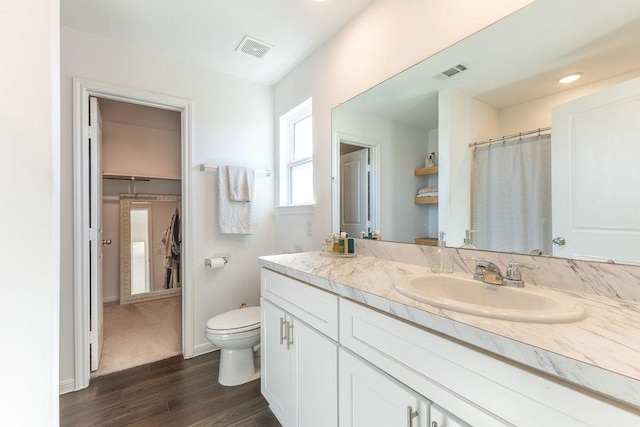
[513,277]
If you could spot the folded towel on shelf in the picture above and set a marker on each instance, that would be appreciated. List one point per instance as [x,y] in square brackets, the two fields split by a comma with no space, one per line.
[431,194]
[240,183]
[432,189]
[234,217]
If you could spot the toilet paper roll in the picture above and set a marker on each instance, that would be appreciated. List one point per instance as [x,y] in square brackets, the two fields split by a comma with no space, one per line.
[215,263]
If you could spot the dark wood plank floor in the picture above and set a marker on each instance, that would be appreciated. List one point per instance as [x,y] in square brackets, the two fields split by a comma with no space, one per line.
[171,392]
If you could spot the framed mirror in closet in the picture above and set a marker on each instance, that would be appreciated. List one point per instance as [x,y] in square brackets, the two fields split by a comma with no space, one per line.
[149,247]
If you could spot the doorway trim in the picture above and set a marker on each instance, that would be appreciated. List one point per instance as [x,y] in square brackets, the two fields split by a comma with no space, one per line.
[82,89]
[374,152]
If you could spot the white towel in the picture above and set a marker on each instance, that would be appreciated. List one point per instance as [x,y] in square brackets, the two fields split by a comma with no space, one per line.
[233,217]
[432,189]
[240,183]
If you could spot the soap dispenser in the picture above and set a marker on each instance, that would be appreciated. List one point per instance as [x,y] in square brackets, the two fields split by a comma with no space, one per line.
[467,240]
[443,259]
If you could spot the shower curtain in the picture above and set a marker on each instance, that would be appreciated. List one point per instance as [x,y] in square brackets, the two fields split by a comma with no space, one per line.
[511,195]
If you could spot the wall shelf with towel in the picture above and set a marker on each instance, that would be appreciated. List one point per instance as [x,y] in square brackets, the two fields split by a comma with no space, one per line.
[432,173]
[204,167]
[425,171]
[433,200]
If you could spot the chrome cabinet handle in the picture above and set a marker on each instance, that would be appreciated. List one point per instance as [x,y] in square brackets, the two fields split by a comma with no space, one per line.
[411,414]
[289,335]
[282,330]
[434,424]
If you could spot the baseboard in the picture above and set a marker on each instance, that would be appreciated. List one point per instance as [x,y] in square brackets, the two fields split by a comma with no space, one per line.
[204,348]
[111,299]
[67,386]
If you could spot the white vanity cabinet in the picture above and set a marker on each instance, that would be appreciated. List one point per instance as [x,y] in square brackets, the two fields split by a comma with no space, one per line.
[369,397]
[473,386]
[441,418]
[299,352]
[394,372]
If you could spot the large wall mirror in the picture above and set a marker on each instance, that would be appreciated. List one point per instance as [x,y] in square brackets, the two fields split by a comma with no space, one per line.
[500,87]
[150,246]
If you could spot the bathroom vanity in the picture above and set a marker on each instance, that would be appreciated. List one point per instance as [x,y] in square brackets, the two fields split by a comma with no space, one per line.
[341,346]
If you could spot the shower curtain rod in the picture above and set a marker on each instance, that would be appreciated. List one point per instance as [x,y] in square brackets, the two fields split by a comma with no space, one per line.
[514,135]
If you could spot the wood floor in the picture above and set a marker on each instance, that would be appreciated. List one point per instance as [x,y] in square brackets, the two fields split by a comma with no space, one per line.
[171,392]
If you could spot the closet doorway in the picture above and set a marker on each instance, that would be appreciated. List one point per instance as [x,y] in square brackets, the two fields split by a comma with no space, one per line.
[128,177]
[141,223]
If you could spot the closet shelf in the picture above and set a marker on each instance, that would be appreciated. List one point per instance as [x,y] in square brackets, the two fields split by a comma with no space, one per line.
[425,171]
[426,200]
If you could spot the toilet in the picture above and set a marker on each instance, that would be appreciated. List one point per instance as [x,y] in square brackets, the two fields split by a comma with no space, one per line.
[237,334]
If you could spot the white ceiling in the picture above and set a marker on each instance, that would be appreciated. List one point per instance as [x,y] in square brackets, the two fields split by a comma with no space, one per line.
[517,59]
[207,32]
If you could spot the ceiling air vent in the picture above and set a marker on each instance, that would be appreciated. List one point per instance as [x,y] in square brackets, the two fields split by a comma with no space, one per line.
[253,47]
[451,72]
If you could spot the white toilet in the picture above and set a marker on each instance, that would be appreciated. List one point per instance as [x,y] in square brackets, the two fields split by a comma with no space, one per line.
[236,333]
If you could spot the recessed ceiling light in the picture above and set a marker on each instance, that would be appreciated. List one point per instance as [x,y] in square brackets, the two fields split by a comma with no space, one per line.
[570,78]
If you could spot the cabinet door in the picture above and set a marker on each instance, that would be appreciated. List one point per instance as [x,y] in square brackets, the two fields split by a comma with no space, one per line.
[441,418]
[369,397]
[275,361]
[315,376]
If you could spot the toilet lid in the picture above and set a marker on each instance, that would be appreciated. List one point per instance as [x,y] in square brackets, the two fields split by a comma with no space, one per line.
[240,320]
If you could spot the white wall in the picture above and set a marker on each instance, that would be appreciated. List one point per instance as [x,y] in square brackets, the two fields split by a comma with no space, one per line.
[462,120]
[30,187]
[232,124]
[386,38]
[537,113]
[138,150]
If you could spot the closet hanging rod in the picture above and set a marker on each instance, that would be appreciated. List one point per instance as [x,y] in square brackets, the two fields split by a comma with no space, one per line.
[204,167]
[513,135]
[137,177]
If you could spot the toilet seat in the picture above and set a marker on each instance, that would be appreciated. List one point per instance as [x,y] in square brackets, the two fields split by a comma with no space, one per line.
[235,321]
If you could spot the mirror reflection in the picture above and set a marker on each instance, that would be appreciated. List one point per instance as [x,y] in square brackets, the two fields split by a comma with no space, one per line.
[150,247]
[481,110]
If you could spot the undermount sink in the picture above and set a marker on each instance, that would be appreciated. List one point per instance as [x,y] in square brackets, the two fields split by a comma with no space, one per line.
[471,296]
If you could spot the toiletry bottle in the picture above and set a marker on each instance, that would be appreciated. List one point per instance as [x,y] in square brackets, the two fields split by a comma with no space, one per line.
[443,257]
[468,243]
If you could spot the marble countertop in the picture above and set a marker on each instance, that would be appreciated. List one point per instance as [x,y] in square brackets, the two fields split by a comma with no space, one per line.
[600,353]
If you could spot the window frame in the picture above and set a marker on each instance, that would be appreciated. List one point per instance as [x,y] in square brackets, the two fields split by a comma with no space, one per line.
[286,147]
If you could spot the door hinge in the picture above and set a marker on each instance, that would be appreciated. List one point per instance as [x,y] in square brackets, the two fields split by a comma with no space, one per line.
[93,234]
[92,337]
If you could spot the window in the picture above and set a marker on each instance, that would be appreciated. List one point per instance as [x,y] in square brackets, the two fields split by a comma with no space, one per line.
[296,156]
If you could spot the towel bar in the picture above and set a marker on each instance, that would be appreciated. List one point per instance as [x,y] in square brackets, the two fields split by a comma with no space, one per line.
[204,167]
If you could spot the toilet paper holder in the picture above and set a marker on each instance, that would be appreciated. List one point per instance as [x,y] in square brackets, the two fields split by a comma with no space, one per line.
[207,261]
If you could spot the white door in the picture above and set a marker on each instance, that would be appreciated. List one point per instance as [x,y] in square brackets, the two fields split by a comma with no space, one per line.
[315,376]
[354,192]
[370,398]
[95,232]
[275,361]
[595,175]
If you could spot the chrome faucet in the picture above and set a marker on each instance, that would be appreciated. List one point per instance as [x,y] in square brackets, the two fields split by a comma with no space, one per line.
[488,272]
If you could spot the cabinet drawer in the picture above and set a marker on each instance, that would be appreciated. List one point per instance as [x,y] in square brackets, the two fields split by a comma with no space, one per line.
[315,307]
